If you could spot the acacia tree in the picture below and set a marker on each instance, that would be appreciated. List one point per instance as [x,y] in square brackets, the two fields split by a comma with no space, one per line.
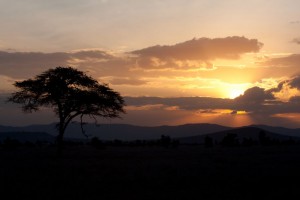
[70,93]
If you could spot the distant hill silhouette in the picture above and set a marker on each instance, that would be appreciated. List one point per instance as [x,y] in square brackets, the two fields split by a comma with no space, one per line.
[122,131]
[187,132]
[27,136]
[279,130]
[248,132]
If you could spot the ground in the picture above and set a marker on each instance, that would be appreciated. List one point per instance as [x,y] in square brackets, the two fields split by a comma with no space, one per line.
[185,172]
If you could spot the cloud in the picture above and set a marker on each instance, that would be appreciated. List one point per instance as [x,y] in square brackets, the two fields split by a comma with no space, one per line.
[196,53]
[296,40]
[18,64]
[184,103]
[254,101]
[255,95]
[171,74]
[127,81]
[178,110]
[295,99]
[216,105]
[202,49]
[24,64]
[192,54]
[91,54]
[6,84]
[286,61]
[279,87]
[295,82]
[146,107]
[234,112]
[212,110]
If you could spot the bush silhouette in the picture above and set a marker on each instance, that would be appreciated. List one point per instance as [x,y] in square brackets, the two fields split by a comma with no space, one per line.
[165,140]
[208,141]
[263,138]
[95,142]
[248,142]
[230,140]
[9,143]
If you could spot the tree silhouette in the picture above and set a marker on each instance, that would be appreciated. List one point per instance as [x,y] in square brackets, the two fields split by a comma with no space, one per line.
[208,141]
[263,138]
[70,93]
[230,140]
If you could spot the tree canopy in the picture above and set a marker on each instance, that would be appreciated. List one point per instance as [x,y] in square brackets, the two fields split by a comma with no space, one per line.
[70,93]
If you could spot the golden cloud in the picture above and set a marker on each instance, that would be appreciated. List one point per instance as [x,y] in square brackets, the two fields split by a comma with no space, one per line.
[203,49]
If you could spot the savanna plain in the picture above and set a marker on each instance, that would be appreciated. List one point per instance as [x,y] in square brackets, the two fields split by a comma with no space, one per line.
[150,172]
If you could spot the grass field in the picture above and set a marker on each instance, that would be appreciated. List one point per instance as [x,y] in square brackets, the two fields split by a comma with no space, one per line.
[185,172]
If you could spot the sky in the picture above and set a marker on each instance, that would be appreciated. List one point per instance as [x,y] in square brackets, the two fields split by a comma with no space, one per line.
[227,62]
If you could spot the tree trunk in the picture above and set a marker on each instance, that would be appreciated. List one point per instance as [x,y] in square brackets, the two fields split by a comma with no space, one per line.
[59,140]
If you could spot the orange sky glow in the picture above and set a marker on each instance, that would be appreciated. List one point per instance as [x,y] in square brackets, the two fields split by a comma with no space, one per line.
[229,62]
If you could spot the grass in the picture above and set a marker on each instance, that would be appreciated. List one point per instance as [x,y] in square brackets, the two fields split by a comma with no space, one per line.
[85,172]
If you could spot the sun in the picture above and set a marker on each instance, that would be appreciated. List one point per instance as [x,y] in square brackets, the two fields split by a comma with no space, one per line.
[235,92]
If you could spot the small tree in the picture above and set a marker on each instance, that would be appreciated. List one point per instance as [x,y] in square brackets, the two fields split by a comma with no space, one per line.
[70,93]
[230,140]
[208,141]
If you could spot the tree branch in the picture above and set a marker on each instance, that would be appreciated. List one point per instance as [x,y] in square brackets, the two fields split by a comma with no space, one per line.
[81,125]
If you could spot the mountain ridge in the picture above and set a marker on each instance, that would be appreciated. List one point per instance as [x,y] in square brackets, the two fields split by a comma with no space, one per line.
[240,134]
[133,132]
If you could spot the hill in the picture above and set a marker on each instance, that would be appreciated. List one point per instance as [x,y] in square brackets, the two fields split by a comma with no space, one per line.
[122,131]
[27,136]
[241,133]
[189,133]
[279,130]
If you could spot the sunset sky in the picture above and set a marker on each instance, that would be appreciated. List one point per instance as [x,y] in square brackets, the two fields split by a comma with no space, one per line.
[227,62]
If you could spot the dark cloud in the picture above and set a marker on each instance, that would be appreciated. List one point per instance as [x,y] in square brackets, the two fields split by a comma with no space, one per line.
[207,111]
[127,81]
[185,103]
[208,105]
[295,99]
[254,101]
[255,95]
[286,85]
[204,49]
[162,111]
[194,53]
[295,82]
[296,40]
[24,64]
[248,101]
[234,112]
[260,101]
[278,88]
[287,61]
[20,64]
[91,54]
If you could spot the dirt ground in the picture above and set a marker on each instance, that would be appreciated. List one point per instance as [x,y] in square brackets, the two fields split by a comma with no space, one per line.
[185,172]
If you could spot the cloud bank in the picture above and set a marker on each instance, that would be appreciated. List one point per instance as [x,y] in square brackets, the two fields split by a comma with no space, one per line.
[205,49]
[192,54]
[296,40]
[175,67]
[183,69]
[285,61]
[196,52]
[22,64]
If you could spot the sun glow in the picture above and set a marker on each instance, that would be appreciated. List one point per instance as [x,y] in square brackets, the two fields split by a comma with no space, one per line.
[234,90]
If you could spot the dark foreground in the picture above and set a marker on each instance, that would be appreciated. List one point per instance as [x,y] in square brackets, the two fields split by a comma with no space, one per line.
[185,172]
